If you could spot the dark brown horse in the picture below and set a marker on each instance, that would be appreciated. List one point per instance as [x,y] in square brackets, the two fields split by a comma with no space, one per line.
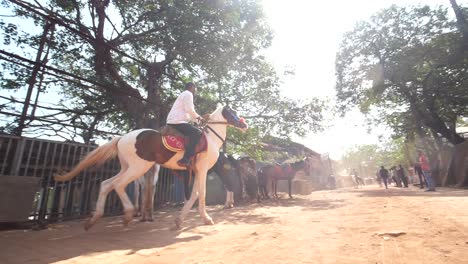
[239,176]
[226,169]
[247,169]
[276,172]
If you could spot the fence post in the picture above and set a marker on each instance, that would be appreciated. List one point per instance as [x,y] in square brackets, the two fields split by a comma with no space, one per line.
[15,168]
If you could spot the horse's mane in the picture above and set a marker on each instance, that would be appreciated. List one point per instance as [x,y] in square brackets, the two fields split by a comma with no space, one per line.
[217,111]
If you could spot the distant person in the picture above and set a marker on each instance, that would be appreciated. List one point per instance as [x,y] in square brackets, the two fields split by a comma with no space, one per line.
[357,180]
[402,175]
[395,176]
[419,172]
[384,175]
[426,170]
[378,178]
[331,182]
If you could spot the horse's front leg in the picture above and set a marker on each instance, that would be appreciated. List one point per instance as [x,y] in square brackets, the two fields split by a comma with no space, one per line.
[136,191]
[289,185]
[187,205]
[228,199]
[275,187]
[201,177]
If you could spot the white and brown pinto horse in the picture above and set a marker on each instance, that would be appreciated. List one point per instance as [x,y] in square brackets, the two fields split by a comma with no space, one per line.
[142,149]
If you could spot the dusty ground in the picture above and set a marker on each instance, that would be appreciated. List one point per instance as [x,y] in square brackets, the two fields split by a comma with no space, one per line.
[342,226]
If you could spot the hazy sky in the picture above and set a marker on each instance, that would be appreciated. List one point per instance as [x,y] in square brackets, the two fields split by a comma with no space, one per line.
[307,36]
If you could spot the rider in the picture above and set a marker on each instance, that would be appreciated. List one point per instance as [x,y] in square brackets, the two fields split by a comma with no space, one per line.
[181,113]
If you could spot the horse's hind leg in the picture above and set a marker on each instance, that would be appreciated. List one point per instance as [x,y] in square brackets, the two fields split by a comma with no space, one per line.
[226,204]
[148,201]
[106,187]
[135,171]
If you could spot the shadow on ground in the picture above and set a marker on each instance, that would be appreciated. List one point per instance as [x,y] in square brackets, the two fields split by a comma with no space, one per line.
[67,240]
[395,191]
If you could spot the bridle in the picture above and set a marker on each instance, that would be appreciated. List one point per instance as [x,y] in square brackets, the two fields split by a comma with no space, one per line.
[216,133]
[205,127]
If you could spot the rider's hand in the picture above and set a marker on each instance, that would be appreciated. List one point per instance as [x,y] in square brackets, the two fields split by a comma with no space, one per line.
[206,117]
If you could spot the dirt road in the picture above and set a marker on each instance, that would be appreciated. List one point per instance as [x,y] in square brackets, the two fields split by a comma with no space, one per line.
[367,225]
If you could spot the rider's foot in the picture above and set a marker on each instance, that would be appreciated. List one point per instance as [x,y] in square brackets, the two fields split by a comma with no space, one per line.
[184,162]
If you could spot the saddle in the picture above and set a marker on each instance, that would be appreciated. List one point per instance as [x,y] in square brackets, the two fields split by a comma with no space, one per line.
[175,141]
[283,171]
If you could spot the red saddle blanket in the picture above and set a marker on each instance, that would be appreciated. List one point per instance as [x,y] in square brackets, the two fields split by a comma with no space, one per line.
[283,171]
[177,143]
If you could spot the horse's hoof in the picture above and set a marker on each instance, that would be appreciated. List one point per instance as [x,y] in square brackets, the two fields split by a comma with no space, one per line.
[209,221]
[88,225]
[126,222]
[178,223]
[127,218]
[146,218]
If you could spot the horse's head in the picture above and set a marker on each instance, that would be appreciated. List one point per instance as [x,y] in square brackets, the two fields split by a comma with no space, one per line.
[222,164]
[233,119]
[247,166]
[299,165]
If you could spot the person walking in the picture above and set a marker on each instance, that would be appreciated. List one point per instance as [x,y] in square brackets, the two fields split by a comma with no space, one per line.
[419,172]
[384,175]
[402,175]
[426,171]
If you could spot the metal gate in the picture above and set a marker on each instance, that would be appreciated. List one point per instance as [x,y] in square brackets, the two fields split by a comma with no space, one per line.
[20,156]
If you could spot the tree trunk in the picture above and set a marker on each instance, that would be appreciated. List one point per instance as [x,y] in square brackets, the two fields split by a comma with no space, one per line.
[458,168]
[462,25]
[430,119]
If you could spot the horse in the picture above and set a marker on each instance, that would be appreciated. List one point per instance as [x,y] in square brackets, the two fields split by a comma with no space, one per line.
[226,170]
[247,168]
[276,172]
[142,149]
[231,172]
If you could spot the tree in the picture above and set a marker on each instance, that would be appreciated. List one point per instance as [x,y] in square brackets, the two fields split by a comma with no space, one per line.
[367,159]
[135,55]
[401,63]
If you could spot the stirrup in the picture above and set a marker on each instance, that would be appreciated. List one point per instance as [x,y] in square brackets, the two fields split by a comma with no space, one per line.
[184,163]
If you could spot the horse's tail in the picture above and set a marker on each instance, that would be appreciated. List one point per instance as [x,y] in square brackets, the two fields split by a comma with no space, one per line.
[95,157]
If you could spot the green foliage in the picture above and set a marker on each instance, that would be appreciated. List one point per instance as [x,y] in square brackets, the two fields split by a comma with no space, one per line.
[217,44]
[405,62]
[369,158]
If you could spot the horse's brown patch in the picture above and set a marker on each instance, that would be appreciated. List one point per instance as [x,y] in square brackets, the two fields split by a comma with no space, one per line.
[149,147]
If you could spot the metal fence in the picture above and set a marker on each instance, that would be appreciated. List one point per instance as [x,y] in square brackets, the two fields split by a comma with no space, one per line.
[20,156]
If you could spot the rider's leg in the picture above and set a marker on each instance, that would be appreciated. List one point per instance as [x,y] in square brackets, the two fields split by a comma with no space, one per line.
[194,134]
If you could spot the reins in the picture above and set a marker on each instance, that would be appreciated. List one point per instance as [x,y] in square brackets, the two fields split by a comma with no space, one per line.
[205,126]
